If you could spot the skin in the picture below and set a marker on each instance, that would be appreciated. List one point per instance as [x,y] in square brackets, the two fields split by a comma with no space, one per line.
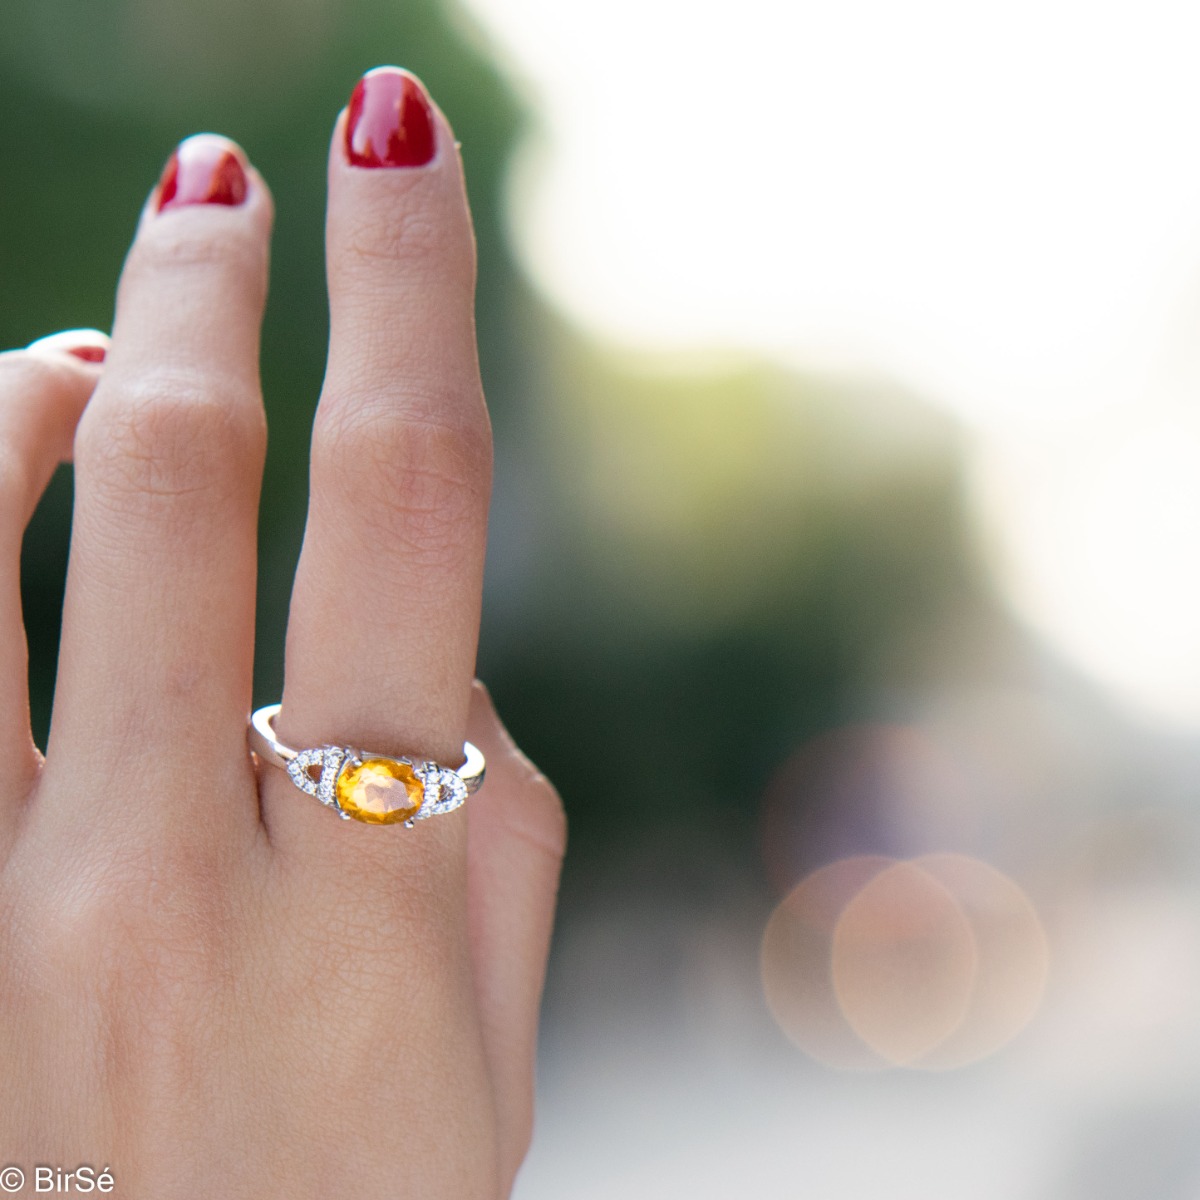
[208,983]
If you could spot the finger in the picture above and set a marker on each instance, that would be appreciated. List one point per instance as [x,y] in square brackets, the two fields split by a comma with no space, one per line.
[43,390]
[86,345]
[385,612]
[516,836]
[158,618]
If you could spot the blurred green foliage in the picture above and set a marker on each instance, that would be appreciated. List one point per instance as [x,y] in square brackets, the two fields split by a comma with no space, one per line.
[692,569]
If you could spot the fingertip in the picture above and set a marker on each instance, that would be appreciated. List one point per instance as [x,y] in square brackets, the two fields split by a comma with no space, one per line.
[207,172]
[398,211]
[391,121]
[202,248]
[206,168]
[44,389]
[86,346]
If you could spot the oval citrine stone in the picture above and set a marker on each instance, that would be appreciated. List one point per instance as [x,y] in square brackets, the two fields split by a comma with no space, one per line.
[380,791]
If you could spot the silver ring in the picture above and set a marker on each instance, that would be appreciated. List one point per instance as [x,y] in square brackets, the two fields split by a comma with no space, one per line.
[379,789]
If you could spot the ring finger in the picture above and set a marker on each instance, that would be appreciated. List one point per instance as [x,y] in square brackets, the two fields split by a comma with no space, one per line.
[385,612]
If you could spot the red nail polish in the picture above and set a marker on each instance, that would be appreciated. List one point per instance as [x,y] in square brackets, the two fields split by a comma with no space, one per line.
[204,169]
[390,123]
[89,345]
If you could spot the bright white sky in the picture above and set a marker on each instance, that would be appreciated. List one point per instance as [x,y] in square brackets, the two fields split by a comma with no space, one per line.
[996,204]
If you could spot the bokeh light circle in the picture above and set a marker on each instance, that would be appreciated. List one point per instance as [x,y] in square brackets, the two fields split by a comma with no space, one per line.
[934,962]
[903,963]
[796,955]
[1013,958]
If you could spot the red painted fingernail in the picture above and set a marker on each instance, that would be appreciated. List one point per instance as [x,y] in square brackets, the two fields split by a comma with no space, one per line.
[90,345]
[390,122]
[204,169]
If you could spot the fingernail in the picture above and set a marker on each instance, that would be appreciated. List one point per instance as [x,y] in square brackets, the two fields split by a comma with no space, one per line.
[88,344]
[390,123]
[204,169]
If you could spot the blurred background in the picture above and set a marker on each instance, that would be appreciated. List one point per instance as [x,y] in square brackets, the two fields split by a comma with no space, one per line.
[843,360]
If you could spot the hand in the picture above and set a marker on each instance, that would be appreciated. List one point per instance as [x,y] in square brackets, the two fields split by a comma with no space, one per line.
[208,983]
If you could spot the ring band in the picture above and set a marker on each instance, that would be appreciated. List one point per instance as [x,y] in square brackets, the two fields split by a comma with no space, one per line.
[379,789]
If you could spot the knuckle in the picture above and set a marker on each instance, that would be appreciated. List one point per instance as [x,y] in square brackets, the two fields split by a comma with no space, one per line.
[408,235]
[148,932]
[413,238]
[168,437]
[181,247]
[427,479]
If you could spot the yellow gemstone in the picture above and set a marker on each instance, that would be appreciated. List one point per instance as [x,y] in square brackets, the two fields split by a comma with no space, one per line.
[380,791]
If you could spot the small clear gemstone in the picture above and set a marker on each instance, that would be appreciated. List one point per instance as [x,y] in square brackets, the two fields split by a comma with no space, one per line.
[300,767]
[444,790]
